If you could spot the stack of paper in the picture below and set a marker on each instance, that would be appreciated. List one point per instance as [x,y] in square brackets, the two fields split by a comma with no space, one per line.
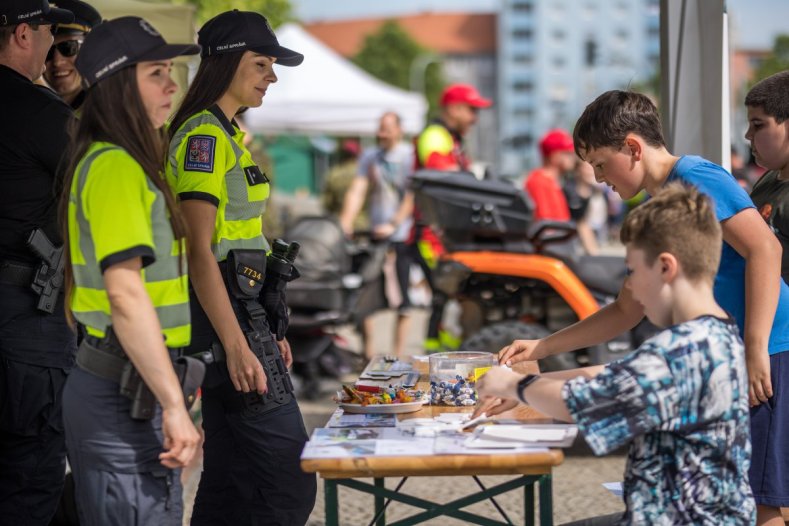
[508,436]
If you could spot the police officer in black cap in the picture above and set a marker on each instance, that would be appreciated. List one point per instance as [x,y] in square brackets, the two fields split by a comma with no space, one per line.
[61,74]
[253,426]
[36,346]
[121,218]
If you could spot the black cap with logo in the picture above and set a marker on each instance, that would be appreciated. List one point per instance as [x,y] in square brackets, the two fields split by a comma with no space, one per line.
[122,42]
[241,30]
[13,12]
[85,17]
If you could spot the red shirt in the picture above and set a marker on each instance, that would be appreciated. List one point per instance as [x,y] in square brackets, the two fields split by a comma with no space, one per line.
[548,197]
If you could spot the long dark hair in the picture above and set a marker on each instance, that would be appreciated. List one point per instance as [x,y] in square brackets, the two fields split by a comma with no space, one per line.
[125,124]
[212,80]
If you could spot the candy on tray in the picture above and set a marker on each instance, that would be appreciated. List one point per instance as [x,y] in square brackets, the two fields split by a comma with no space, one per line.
[384,395]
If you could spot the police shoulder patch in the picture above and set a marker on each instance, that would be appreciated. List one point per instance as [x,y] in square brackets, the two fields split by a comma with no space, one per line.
[200,151]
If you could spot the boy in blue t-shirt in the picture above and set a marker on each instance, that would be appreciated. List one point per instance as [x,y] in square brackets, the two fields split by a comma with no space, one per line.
[620,135]
[681,399]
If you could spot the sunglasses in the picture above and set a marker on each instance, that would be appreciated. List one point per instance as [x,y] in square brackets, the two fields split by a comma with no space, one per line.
[67,48]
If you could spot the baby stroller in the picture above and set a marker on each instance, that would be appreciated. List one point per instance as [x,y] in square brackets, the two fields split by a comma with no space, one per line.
[341,283]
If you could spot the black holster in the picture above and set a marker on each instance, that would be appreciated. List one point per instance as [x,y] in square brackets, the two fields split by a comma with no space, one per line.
[245,273]
[105,358]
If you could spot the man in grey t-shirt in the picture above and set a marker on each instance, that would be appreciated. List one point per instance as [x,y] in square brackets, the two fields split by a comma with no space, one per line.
[382,178]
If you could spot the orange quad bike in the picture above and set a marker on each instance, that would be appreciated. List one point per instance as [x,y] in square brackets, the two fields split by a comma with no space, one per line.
[516,278]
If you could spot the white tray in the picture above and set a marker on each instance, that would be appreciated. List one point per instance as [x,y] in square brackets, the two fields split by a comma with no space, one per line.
[406,407]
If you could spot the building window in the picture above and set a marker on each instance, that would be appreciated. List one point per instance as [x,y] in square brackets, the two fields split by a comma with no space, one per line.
[590,53]
[522,7]
[559,34]
[522,59]
[558,62]
[522,86]
[523,34]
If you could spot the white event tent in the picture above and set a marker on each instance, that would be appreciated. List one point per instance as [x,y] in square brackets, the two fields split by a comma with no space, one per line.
[327,94]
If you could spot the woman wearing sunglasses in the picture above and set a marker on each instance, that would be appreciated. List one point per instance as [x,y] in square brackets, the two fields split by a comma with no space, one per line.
[126,285]
[254,431]
[61,75]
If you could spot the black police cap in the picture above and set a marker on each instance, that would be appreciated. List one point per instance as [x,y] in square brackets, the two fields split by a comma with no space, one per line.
[13,12]
[85,17]
[122,42]
[241,30]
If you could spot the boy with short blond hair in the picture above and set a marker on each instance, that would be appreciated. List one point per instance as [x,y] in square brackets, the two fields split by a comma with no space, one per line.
[680,400]
[683,227]
[619,134]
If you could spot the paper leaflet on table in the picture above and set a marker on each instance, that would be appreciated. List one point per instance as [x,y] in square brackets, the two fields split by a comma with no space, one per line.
[455,444]
[368,448]
[506,436]
[341,419]
[329,435]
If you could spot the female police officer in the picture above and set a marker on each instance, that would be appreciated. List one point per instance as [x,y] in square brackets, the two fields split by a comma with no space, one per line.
[253,438]
[127,284]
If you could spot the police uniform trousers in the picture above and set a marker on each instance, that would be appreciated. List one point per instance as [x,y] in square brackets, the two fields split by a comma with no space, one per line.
[36,354]
[251,462]
[118,478]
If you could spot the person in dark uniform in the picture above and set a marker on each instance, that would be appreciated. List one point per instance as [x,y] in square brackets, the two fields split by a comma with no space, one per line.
[61,74]
[126,449]
[254,432]
[36,346]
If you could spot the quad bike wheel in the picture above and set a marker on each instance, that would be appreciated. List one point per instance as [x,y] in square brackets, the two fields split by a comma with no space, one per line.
[493,337]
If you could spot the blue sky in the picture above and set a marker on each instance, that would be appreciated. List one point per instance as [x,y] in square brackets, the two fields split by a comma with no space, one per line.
[756,22]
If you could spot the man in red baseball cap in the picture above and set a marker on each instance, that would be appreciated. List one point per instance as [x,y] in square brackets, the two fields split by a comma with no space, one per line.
[544,184]
[440,147]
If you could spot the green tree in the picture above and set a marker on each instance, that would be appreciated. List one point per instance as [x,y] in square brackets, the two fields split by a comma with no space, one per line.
[389,53]
[777,61]
[276,11]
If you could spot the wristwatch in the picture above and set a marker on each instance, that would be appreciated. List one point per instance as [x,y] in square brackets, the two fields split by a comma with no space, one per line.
[525,382]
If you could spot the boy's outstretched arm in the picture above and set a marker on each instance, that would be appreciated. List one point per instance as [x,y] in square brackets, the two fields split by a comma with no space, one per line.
[749,235]
[612,320]
[545,394]
[496,406]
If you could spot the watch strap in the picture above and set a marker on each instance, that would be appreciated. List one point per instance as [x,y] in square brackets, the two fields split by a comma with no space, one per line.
[523,383]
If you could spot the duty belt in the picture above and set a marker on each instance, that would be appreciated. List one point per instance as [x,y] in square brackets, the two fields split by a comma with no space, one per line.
[98,358]
[16,274]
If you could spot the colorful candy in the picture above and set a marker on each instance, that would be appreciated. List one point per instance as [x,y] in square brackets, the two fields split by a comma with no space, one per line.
[385,395]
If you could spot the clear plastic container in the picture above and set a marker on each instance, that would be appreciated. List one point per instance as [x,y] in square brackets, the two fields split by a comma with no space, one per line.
[453,376]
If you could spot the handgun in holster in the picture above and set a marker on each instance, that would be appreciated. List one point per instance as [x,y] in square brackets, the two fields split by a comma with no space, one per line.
[189,371]
[246,273]
[48,278]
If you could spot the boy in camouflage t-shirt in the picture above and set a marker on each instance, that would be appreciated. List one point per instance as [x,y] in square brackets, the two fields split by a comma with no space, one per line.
[681,399]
